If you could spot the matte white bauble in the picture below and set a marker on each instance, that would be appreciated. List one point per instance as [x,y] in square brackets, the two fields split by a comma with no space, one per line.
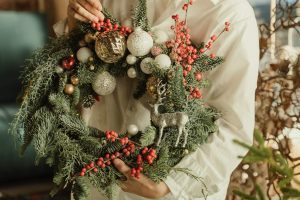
[146,66]
[164,61]
[104,84]
[139,42]
[132,129]
[83,54]
[160,37]
[131,59]
[131,73]
[59,70]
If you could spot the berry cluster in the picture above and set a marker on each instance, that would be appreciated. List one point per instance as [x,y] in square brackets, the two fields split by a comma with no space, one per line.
[111,136]
[146,155]
[183,52]
[186,5]
[195,93]
[68,63]
[106,25]
[128,149]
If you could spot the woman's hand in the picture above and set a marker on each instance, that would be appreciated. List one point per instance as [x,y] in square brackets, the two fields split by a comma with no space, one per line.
[85,11]
[143,186]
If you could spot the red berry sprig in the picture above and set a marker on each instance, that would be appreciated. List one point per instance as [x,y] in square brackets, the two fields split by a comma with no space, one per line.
[195,93]
[146,156]
[111,136]
[106,25]
[129,147]
[213,39]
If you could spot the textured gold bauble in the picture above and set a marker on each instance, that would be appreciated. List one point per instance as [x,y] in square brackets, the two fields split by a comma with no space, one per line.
[110,46]
[69,89]
[74,80]
[152,86]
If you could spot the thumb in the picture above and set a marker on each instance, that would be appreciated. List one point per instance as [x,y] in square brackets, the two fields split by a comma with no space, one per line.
[122,167]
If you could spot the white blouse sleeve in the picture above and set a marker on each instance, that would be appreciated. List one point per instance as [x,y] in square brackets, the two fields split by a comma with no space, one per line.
[233,93]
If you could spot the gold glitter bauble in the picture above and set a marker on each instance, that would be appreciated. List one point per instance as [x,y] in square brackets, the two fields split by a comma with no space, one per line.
[110,46]
[69,89]
[152,86]
[74,80]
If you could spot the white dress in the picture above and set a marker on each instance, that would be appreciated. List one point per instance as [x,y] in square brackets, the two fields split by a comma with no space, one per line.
[232,92]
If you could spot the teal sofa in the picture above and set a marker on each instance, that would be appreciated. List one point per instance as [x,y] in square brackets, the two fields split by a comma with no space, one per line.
[20,34]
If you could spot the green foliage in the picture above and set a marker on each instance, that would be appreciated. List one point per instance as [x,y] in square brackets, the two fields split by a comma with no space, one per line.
[148,137]
[204,63]
[140,16]
[81,189]
[278,168]
[177,95]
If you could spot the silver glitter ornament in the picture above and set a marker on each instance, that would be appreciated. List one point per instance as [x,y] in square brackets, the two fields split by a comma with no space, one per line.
[104,84]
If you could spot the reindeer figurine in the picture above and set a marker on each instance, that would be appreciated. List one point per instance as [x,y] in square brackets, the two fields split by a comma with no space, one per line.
[163,120]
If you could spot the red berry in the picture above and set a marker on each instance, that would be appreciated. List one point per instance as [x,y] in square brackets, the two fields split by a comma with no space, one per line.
[117,154]
[107,156]
[82,174]
[83,170]
[95,170]
[99,163]
[127,153]
[213,38]
[108,163]
[202,50]
[198,76]
[212,55]
[92,164]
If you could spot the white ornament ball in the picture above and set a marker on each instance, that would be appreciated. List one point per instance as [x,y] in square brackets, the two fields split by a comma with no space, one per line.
[131,59]
[160,37]
[83,54]
[131,73]
[145,65]
[59,70]
[164,61]
[132,129]
[139,42]
[104,84]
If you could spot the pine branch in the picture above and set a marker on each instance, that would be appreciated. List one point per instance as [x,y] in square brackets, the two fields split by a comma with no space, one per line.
[140,16]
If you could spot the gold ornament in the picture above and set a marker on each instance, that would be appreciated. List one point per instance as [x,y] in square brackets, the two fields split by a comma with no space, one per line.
[74,80]
[92,67]
[91,59]
[110,46]
[152,86]
[171,74]
[69,89]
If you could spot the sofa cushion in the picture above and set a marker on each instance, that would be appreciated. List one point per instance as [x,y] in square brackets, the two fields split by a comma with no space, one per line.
[20,34]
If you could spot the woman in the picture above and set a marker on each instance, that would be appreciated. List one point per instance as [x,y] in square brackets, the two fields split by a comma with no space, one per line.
[232,92]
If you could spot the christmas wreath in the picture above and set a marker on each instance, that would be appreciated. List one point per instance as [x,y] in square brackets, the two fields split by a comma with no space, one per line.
[75,70]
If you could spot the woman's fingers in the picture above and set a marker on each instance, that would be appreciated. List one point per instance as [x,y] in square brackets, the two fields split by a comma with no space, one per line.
[80,10]
[122,167]
[92,8]
[72,13]
[96,4]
